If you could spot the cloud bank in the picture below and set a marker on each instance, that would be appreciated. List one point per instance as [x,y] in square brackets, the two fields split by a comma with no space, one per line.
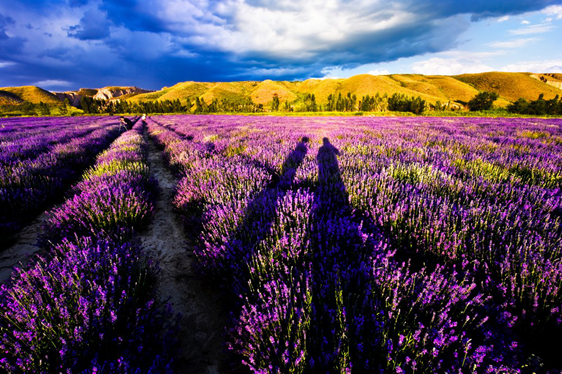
[155,42]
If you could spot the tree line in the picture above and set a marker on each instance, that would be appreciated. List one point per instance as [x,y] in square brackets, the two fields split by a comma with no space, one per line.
[539,107]
[339,102]
[351,103]
[94,106]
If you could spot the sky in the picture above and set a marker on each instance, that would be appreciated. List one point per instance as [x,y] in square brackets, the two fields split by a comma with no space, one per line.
[63,45]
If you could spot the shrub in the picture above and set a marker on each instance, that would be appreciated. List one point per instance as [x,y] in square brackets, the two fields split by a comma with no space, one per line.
[482,101]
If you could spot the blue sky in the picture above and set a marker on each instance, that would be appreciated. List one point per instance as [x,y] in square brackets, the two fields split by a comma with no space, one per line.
[67,44]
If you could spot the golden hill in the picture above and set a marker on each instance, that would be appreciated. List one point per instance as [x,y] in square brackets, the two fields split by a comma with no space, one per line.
[180,91]
[227,90]
[510,86]
[8,98]
[90,92]
[432,88]
[32,94]
[264,91]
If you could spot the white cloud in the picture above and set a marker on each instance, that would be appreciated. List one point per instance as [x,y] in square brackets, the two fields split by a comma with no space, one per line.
[503,19]
[286,28]
[450,66]
[533,29]
[554,10]
[52,83]
[513,43]
[547,66]
[525,22]
[379,72]
[6,64]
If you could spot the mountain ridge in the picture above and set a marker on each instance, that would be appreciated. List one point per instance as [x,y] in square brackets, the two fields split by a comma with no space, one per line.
[457,90]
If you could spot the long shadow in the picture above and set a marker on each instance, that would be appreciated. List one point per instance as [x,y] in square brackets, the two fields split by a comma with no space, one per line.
[340,283]
[331,192]
[260,215]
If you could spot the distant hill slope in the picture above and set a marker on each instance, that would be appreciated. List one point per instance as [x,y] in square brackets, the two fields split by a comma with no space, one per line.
[105,93]
[553,79]
[458,89]
[8,98]
[432,88]
[114,92]
[32,94]
[178,91]
[510,86]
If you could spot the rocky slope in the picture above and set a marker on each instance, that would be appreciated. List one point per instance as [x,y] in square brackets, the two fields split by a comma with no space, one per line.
[108,93]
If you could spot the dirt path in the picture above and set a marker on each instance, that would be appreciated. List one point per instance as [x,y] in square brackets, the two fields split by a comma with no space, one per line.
[22,250]
[204,318]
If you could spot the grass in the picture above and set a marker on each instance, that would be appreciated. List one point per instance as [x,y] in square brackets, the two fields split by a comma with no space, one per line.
[8,98]
[432,88]
[179,91]
[87,92]
[263,93]
[510,86]
[32,94]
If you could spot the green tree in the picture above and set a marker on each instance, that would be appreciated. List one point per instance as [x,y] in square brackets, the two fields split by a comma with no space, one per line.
[520,106]
[275,103]
[482,101]
[44,109]
[28,108]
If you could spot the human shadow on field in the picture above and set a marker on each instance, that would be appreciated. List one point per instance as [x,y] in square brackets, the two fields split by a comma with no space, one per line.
[340,282]
[331,192]
[259,217]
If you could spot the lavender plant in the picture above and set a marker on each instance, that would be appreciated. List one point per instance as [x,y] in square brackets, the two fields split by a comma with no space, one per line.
[388,245]
[89,305]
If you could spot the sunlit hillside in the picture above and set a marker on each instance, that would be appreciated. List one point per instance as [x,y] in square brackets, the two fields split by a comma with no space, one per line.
[32,94]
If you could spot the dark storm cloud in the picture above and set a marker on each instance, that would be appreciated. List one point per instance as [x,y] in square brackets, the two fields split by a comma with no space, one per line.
[152,43]
[93,26]
[77,3]
[9,45]
[4,23]
[427,33]
[134,15]
[480,9]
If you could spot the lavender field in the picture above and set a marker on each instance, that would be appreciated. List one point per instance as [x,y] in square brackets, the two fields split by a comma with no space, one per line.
[337,245]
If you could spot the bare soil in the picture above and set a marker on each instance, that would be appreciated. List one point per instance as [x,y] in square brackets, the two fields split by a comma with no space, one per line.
[203,310]
[204,316]
[20,253]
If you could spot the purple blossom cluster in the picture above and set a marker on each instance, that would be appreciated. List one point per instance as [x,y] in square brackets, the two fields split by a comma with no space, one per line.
[114,197]
[88,305]
[41,159]
[378,244]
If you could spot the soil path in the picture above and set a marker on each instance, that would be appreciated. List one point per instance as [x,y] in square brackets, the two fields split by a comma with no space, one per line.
[204,316]
[22,251]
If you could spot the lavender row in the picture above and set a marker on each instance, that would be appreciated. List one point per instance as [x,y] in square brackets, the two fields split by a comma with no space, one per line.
[114,196]
[30,146]
[26,186]
[10,132]
[396,180]
[89,305]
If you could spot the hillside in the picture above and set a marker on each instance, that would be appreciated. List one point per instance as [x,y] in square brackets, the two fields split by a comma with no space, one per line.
[32,94]
[510,86]
[552,79]
[178,91]
[432,88]
[8,98]
[458,90]
[114,92]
